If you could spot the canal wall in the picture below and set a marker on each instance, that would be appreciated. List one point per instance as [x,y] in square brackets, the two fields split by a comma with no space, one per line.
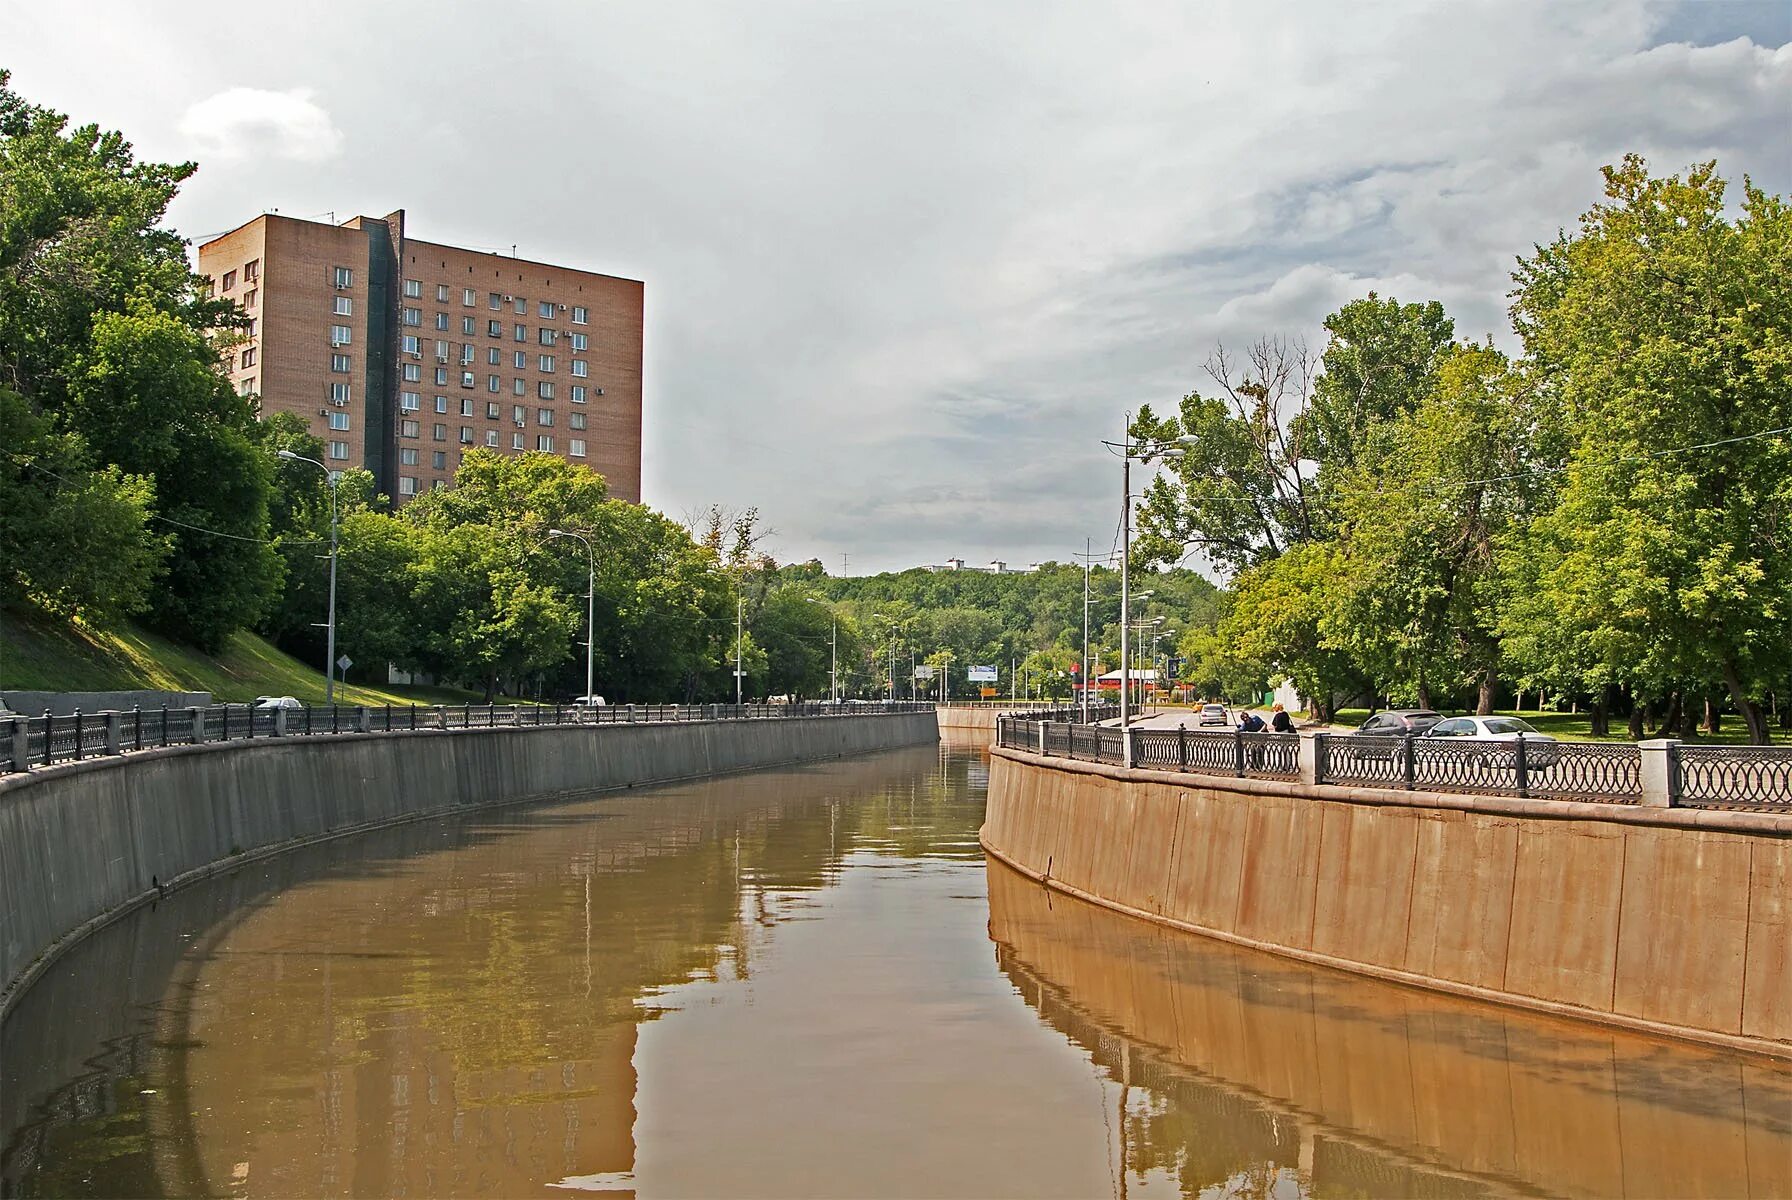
[84,841]
[1674,922]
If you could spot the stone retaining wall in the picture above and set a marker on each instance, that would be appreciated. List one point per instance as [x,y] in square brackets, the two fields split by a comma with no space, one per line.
[82,842]
[1669,921]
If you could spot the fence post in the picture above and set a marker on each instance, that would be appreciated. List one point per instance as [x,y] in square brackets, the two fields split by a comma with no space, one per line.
[21,743]
[198,735]
[1311,758]
[1039,729]
[1126,747]
[279,722]
[363,719]
[136,727]
[1407,772]
[114,733]
[1238,752]
[1182,746]
[1660,772]
[1524,774]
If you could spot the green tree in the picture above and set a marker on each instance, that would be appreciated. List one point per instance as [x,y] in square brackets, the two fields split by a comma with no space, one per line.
[1278,619]
[1663,329]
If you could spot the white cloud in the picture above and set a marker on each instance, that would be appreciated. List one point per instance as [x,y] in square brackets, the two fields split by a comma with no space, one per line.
[251,123]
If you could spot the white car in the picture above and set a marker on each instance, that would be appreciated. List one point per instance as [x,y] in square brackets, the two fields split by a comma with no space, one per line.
[277,702]
[589,702]
[1214,714]
[1539,748]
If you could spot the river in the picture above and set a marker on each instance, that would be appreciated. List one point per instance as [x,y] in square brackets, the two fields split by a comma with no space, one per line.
[789,983]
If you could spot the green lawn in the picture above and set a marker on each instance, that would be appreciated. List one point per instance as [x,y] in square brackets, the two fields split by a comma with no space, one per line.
[1569,727]
[42,653]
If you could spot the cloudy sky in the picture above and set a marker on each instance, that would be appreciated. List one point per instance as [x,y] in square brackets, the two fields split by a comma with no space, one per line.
[907,262]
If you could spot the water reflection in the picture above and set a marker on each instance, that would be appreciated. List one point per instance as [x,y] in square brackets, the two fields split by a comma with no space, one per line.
[783,984]
[1255,1076]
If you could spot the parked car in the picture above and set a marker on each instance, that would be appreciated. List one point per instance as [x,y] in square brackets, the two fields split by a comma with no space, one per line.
[1214,714]
[1397,721]
[589,702]
[277,702]
[1539,748]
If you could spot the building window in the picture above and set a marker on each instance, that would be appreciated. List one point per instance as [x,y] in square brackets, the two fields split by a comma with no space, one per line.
[466,353]
[408,429]
[493,384]
[546,337]
[522,307]
[252,270]
[467,326]
[519,414]
[576,447]
[491,438]
[229,280]
[520,360]
[519,387]
[466,406]
[409,401]
[339,420]
[339,450]
[246,387]
[413,373]
[494,329]
[547,308]
[544,416]
[579,315]
[340,364]
[412,344]
[342,277]
[468,380]
[467,298]
[576,420]
[442,321]
[493,356]
[407,485]
[491,410]
[544,441]
[249,298]
[497,301]
[545,389]
[578,341]
[441,404]
[522,333]
[438,485]
[339,335]
[413,316]
[344,306]
[441,293]
[248,356]
[407,457]
[579,367]
[413,289]
[578,393]
[516,441]
[546,363]
[466,435]
[439,459]
[439,432]
[339,393]
[441,376]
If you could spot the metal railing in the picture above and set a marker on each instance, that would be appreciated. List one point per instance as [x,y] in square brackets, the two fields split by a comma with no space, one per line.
[27,742]
[1750,778]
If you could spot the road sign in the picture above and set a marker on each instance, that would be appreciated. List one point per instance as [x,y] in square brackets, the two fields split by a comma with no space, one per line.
[344,663]
[982,675]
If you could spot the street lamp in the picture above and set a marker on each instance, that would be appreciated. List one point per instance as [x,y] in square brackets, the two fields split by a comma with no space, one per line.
[1129,451]
[330,639]
[590,602]
[833,648]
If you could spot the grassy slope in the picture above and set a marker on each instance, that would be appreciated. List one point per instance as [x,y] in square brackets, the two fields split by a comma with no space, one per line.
[38,653]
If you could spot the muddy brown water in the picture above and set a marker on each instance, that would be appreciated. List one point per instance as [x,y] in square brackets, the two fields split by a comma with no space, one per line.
[800,982]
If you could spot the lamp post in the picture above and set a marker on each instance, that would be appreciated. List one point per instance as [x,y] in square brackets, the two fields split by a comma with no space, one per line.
[740,611]
[833,649]
[1129,451]
[590,601]
[330,638]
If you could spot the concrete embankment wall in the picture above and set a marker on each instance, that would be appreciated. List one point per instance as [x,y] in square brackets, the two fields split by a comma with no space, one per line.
[1668,921]
[84,841]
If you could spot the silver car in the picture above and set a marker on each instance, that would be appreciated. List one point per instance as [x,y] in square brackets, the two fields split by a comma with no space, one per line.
[1214,714]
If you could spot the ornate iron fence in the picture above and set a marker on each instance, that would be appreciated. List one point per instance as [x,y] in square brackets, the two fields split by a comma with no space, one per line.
[27,742]
[1752,778]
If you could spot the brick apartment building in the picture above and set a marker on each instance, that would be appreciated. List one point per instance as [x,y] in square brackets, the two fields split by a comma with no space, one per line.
[401,354]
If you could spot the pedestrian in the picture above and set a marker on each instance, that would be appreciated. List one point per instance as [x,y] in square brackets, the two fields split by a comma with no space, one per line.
[1281,722]
[1250,723]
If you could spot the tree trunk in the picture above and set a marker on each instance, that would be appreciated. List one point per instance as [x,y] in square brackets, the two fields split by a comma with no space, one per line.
[1601,722]
[1670,720]
[1636,719]
[1484,698]
[1424,691]
[1751,712]
[1713,718]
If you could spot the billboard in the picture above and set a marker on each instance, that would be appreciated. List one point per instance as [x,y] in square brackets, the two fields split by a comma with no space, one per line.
[924,672]
[981,675]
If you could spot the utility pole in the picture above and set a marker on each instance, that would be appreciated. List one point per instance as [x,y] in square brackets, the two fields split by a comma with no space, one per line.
[740,608]
[330,638]
[1125,562]
[1088,549]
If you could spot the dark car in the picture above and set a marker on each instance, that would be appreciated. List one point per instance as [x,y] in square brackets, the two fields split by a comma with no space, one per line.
[1397,721]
